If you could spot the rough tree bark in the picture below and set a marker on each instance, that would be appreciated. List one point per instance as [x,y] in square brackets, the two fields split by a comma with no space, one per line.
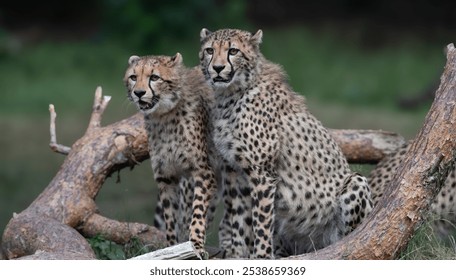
[414,186]
[53,226]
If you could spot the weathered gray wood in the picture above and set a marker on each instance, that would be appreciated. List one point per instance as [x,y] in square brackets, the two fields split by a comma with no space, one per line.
[182,251]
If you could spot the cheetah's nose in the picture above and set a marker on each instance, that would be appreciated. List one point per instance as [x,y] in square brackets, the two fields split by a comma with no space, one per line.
[139,93]
[218,68]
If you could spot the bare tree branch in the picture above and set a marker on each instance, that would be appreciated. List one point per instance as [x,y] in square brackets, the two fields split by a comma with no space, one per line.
[53,144]
[99,105]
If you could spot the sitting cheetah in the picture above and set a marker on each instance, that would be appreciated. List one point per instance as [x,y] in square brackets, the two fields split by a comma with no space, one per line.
[284,177]
[444,204]
[174,101]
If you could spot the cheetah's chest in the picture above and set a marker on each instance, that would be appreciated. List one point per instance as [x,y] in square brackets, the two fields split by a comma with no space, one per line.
[169,149]
[225,136]
[234,128]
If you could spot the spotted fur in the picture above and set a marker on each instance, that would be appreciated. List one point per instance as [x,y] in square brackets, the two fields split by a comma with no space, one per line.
[287,186]
[174,101]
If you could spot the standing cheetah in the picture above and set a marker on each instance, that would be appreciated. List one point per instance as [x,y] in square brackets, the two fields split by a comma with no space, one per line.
[444,205]
[284,177]
[174,101]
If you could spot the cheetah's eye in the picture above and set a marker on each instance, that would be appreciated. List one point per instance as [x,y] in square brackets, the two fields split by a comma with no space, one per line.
[154,77]
[233,51]
[209,51]
[133,78]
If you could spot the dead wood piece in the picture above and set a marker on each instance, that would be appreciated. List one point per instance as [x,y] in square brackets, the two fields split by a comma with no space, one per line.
[32,237]
[182,251]
[366,146]
[53,144]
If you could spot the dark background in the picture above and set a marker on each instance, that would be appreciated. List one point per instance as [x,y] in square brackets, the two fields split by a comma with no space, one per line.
[140,22]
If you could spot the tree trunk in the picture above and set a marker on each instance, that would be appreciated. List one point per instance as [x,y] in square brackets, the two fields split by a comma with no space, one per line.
[411,191]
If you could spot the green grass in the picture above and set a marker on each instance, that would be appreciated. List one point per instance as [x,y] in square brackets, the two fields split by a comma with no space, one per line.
[427,244]
[346,87]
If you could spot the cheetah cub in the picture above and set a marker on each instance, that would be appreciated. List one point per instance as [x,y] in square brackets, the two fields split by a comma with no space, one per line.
[288,187]
[173,100]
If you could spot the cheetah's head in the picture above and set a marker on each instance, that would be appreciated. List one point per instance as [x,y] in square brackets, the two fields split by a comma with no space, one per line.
[229,56]
[153,82]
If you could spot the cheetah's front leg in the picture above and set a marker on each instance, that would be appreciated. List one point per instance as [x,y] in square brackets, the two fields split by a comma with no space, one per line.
[225,233]
[185,207]
[169,198]
[263,193]
[204,191]
[235,231]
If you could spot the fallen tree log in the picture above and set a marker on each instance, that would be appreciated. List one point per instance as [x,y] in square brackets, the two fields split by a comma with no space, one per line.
[366,146]
[416,182]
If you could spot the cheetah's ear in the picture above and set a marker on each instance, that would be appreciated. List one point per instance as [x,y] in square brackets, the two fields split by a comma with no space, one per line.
[204,33]
[177,59]
[257,37]
[133,59]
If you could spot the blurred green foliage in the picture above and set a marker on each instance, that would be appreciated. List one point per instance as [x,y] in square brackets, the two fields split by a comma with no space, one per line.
[318,65]
[151,25]
[340,70]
